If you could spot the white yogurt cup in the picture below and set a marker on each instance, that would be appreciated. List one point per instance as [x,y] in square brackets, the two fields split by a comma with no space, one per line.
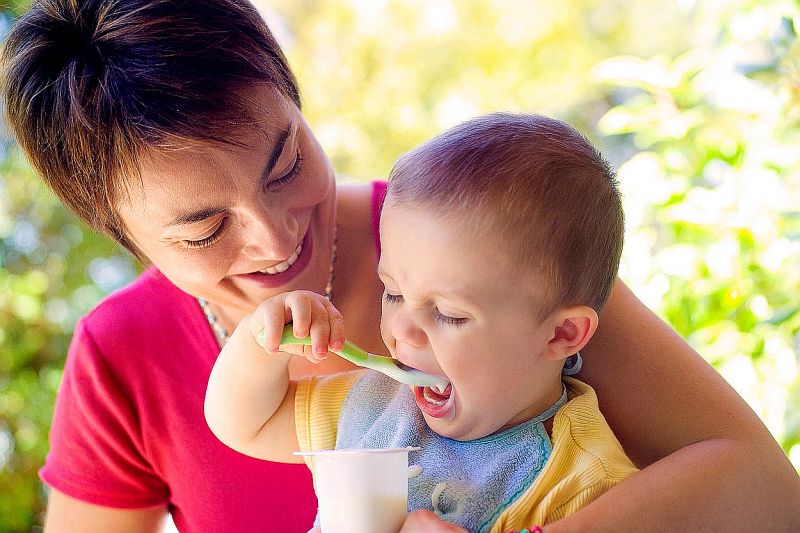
[361,491]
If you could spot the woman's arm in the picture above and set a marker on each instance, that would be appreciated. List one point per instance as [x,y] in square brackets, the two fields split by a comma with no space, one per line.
[709,463]
[68,515]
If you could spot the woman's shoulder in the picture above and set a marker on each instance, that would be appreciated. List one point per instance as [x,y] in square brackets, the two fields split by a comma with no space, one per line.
[149,291]
[148,306]
[360,200]
[356,288]
[359,206]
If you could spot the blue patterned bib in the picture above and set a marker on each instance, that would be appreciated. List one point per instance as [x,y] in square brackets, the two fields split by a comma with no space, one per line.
[467,483]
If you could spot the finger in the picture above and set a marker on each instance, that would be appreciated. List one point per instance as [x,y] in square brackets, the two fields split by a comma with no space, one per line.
[299,306]
[336,323]
[320,328]
[270,317]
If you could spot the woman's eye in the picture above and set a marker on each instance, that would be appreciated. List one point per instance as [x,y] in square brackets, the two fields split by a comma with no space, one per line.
[291,173]
[205,242]
[449,320]
[392,298]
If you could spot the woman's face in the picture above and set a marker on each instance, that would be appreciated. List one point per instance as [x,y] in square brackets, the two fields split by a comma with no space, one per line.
[235,225]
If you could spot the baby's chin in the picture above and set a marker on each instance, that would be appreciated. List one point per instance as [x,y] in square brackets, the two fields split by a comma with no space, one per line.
[460,432]
[444,414]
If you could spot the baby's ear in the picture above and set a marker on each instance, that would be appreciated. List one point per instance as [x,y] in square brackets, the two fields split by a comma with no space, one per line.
[574,326]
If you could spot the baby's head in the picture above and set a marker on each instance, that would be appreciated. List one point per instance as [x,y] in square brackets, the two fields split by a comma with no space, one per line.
[501,240]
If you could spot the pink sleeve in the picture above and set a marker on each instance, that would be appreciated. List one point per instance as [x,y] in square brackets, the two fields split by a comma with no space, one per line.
[378,196]
[95,448]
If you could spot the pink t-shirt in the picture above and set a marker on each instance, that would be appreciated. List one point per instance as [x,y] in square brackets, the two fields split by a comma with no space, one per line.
[129,430]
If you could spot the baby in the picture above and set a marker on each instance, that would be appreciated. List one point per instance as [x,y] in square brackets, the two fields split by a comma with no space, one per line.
[500,243]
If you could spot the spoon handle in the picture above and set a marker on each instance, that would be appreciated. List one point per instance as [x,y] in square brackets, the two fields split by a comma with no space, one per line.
[360,357]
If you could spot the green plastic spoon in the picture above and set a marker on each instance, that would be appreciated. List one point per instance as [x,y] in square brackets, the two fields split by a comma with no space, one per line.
[362,358]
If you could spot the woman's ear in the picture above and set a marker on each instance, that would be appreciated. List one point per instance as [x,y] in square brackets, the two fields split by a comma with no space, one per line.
[574,326]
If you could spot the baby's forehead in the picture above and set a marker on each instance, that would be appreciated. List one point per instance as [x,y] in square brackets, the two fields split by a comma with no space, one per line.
[488,224]
[460,246]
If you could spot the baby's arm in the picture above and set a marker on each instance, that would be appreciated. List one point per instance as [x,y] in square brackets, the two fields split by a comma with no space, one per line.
[249,402]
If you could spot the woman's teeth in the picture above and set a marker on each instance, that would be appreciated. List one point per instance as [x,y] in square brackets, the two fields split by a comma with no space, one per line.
[282,266]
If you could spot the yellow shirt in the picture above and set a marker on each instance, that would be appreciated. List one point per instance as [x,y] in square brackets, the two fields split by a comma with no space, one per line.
[586,458]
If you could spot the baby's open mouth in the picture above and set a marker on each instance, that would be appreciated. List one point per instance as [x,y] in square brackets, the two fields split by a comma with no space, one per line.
[436,403]
[437,397]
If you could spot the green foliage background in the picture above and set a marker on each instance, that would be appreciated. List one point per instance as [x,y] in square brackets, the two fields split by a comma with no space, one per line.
[696,102]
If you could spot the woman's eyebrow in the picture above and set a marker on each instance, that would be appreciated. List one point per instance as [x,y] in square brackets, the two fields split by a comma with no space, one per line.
[203,214]
[195,216]
[277,150]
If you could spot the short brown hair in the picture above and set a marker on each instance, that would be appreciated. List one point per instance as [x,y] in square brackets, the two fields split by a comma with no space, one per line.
[534,183]
[90,85]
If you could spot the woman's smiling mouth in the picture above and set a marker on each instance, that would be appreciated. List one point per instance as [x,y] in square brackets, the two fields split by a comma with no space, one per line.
[284,265]
[284,272]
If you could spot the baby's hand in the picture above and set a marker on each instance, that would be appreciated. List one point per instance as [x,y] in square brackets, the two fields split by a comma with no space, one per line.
[308,312]
[427,522]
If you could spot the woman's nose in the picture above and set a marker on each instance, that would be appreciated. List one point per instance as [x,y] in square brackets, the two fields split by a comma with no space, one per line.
[269,235]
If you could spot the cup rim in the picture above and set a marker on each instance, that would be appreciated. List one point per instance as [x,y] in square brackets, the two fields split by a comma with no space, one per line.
[357,451]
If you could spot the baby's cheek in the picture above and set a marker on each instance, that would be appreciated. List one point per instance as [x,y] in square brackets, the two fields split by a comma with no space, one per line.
[386,332]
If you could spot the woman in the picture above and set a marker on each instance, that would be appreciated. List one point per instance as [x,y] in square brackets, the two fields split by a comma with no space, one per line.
[174,127]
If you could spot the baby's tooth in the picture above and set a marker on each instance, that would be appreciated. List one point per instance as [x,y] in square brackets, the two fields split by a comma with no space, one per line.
[434,401]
